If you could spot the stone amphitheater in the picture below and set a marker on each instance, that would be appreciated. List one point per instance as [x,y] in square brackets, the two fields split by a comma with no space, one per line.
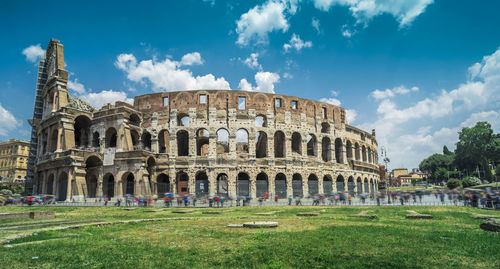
[204,142]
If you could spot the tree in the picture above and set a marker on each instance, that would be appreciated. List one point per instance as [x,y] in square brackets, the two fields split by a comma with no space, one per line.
[446,151]
[475,147]
[436,161]
[470,181]
[453,183]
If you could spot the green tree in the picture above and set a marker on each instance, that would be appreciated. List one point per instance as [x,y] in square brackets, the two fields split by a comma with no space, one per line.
[436,161]
[446,151]
[454,183]
[470,181]
[476,146]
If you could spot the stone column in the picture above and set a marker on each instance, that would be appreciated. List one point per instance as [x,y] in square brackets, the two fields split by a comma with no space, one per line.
[192,181]
[212,183]
[173,180]
[289,188]
[320,184]
[305,186]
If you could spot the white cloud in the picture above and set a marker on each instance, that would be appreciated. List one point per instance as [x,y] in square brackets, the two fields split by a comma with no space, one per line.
[168,75]
[287,75]
[253,61]
[255,24]
[334,93]
[191,59]
[347,31]
[364,10]
[7,122]
[76,86]
[33,53]
[104,97]
[389,93]
[265,82]
[331,101]
[351,115]
[315,24]
[296,43]
[210,2]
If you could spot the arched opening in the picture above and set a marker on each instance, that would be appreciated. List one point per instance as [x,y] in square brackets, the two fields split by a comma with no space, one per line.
[340,184]
[338,151]
[297,143]
[91,182]
[222,141]
[50,184]
[312,184]
[182,143]
[325,128]
[366,185]
[357,152]
[202,141]
[222,185]
[311,145]
[279,144]
[348,147]
[82,131]
[297,185]
[262,184]
[183,120]
[182,183]
[280,185]
[128,183]
[134,120]
[53,141]
[163,141]
[111,138]
[369,155]
[93,166]
[109,185]
[261,146]
[351,185]
[151,168]
[146,141]
[63,187]
[327,184]
[260,121]
[201,184]
[364,153]
[372,186]
[134,135]
[326,149]
[96,140]
[243,185]
[242,142]
[358,186]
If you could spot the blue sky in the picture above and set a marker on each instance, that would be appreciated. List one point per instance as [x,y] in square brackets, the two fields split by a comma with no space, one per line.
[416,71]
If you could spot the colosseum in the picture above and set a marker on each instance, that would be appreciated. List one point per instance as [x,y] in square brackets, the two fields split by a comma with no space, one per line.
[203,142]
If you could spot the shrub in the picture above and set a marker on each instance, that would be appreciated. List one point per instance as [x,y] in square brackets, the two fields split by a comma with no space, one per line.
[454,183]
[470,181]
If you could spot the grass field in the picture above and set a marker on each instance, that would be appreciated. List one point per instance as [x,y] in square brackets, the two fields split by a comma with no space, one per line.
[332,239]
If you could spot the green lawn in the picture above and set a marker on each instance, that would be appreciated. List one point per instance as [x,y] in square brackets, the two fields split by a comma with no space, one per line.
[451,240]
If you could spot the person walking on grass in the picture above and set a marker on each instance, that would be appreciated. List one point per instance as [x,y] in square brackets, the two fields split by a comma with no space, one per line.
[290,200]
[106,199]
[222,201]
[349,198]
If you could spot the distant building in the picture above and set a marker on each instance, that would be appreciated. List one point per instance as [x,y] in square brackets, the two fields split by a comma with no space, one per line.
[14,159]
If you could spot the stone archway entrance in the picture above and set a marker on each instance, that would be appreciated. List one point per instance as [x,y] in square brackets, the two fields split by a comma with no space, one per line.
[63,187]
[182,183]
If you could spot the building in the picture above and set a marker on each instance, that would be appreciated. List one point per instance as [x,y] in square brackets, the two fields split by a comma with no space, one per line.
[202,142]
[14,159]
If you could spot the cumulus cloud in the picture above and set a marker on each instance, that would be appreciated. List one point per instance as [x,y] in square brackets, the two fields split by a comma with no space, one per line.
[99,99]
[296,43]
[7,122]
[364,10]
[265,82]
[253,61]
[351,115]
[168,75]
[389,93]
[331,101]
[258,22]
[396,126]
[76,86]
[33,53]
[315,24]
[191,59]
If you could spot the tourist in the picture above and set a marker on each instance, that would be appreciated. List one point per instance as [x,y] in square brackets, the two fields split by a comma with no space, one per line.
[260,200]
[106,199]
[290,200]
[186,200]
[349,197]
[217,201]
[441,196]
[194,201]
[237,200]
[221,201]
[276,198]
[297,201]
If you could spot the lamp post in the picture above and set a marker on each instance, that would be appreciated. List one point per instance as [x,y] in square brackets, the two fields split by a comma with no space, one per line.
[383,155]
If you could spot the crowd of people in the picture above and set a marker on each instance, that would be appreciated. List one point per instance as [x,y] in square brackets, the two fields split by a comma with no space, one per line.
[486,198]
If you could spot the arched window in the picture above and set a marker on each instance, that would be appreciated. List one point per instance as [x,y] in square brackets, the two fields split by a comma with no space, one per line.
[222,141]
[338,150]
[279,144]
[357,152]
[202,142]
[201,184]
[182,143]
[82,131]
[183,120]
[312,184]
[162,184]
[164,141]
[326,149]
[340,184]
[135,139]
[95,140]
[364,153]
[241,141]
[311,145]
[261,146]
[243,185]
[135,120]
[297,185]
[146,141]
[296,143]
[111,138]
[325,128]
[280,185]
[261,184]
[349,149]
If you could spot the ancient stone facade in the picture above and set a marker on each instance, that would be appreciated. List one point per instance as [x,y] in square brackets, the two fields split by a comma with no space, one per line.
[202,142]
